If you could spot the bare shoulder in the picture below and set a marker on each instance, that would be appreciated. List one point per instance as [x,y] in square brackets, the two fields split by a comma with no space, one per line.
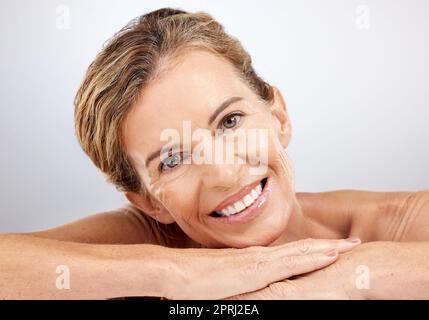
[345,212]
[124,225]
[414,225]
[372,215]
[397,216]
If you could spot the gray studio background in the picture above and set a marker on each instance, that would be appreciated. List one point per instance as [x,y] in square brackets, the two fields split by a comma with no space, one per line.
[355,76]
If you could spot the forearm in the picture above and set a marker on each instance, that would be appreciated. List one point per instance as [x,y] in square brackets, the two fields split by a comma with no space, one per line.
[397,270]
[29,266]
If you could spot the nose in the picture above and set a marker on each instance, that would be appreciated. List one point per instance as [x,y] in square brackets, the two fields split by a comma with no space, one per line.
[221,176]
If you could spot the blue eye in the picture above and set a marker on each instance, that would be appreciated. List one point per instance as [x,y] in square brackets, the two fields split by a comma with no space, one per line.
[174,161]
[171,162]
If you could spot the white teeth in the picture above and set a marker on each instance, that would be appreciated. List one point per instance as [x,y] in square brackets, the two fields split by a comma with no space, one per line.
[231,210]
[248,200]
[245,202]
[239,205]
[254,194]
[225,211]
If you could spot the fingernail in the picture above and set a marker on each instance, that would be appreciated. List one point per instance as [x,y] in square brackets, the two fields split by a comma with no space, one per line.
[353,239]
[331,253]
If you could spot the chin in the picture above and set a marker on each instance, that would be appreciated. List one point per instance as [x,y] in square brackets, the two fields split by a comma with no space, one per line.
[265,234]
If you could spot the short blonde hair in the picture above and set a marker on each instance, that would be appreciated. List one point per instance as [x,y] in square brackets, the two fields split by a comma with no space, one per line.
[127,62]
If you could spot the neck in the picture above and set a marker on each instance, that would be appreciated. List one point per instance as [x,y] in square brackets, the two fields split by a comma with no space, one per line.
[313,216]
[299,226]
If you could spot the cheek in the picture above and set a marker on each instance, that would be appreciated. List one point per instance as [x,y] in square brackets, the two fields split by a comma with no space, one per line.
[179,199]
[279,162]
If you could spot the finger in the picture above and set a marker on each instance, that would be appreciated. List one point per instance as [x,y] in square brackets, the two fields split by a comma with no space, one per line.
[309,246]
[262,273]
[291,266]
[260,266]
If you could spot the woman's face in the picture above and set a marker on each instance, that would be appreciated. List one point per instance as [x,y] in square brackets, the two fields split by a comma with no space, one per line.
[239,200]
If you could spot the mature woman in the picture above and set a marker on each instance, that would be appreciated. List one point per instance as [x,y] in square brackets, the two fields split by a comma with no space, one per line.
[202,228]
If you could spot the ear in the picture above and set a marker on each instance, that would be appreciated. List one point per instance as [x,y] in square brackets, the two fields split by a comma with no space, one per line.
[281,118]
[150,206]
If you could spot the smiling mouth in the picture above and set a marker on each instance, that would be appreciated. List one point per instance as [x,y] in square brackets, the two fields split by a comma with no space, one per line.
[242,204]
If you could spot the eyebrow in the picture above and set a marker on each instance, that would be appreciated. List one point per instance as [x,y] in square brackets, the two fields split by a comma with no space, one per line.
[222,107]
[212,118]
[155,154]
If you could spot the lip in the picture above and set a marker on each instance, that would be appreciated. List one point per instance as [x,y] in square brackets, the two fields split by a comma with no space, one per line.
[250,212]
[235,197]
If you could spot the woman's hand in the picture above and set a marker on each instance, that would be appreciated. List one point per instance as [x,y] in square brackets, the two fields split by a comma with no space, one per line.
[337,281]
[221,273]
[374,270]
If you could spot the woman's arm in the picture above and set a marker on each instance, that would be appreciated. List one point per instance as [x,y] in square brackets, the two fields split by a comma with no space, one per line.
[37,268]
[397,270]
